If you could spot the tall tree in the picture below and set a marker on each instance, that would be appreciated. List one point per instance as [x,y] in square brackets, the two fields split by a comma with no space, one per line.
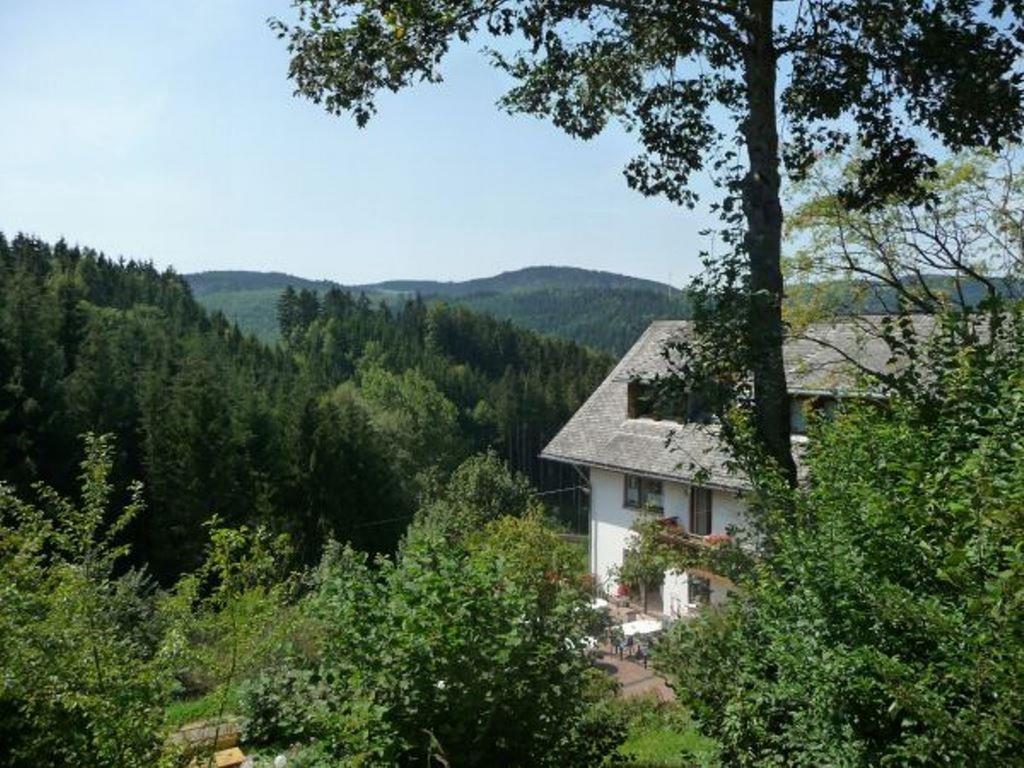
[698,78]
[286,311]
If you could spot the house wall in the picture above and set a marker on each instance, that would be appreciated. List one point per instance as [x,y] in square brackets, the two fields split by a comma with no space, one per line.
[610,523]
[610,532]
[727,511]
[675,592]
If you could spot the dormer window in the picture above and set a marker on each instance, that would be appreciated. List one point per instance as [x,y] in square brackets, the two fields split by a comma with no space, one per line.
[798,416]
[698,409]
[646,400]
[802,406]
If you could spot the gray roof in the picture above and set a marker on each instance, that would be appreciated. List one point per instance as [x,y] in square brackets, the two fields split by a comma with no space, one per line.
[600,434]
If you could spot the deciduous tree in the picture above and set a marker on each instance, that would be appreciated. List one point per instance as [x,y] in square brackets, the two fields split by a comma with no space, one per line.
[709,84]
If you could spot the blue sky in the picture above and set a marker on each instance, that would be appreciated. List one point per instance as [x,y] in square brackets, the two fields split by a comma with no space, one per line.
[167,131]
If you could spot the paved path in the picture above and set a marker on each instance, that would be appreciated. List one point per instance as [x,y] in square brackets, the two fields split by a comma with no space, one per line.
[634,679]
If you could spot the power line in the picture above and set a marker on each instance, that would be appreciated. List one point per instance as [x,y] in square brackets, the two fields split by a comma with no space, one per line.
[561,490]
[382,522]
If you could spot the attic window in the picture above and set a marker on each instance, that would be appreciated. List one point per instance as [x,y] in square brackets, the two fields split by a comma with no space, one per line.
[802,406]
[698,409]
[647,400]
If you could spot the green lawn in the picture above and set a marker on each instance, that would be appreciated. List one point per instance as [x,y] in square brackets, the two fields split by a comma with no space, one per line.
[205,707]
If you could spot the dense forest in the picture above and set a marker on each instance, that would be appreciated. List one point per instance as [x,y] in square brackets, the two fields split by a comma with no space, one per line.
[610,320]
[338,432]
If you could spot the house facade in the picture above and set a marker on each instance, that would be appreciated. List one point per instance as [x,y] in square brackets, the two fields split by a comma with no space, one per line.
[615,506]
[674,466]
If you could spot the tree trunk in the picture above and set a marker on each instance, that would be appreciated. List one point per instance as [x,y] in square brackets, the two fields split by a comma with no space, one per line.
[763,239]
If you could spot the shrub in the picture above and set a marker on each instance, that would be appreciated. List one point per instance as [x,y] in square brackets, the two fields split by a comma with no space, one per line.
[463,649]
[886,626]
[81,682]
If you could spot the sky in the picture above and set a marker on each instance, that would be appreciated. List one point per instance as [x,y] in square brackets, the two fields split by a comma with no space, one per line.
[169,132]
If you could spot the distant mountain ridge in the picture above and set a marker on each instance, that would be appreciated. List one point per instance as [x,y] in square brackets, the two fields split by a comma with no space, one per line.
[225,281]
[526,279]
[603,310]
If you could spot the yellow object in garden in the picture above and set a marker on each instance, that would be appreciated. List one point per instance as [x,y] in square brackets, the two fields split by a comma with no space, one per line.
[229,758]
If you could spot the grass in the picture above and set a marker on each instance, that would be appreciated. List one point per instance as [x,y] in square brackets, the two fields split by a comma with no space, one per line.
[205,707]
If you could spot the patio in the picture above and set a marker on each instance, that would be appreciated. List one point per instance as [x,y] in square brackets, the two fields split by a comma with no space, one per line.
[627,659]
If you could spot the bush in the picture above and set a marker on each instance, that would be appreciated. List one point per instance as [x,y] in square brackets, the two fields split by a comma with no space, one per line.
[886,626]
[82,683]
[463,649]
[280,706]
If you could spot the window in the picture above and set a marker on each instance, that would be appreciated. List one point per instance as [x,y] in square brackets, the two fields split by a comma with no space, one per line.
[700,511]
[652,496]
[801,407]
[642,493]
[698,408]
[798,416]
[632,491]
[656,400]
[699,589]
[651,400]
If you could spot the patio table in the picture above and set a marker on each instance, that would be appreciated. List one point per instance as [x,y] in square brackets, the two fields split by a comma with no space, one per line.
[641,627]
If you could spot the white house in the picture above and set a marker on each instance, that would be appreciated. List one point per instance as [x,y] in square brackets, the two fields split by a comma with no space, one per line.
[639,461]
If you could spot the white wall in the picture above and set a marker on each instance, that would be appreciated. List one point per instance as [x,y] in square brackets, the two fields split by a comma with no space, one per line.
[727,511]
[675,592]
[610,531]
[675,596]
[610,524]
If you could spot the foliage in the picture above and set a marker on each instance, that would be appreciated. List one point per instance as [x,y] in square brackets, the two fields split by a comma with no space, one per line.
[94,654]
[213,422]
[608,319]
[585,64]
[280,705]
[885,626]
[959,245]
[662,734]
[461,650]
[413,415]
[231,619]
[353,488]
[181,712]
[82,682]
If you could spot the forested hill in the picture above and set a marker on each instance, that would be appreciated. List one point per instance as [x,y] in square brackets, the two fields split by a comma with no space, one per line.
[526,279]
[203,283]
[334,433]
[601,309]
